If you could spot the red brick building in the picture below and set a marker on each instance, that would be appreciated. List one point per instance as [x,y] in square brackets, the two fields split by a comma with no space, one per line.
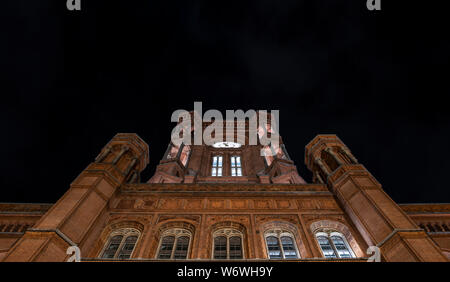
[224,201]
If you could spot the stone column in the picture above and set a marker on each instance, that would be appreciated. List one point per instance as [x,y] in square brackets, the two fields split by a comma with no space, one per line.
[335,157]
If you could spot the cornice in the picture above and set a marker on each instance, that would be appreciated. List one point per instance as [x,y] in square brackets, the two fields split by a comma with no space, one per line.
[24,208]
[426,208]
[244,188]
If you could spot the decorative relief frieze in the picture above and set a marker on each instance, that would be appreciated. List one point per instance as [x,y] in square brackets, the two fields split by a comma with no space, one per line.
[310,218]
[170,204]
[262,204]
[194,204]
[239,204]
[129,218]
[242,219]
[167,217]
[216,204]
[139,204]
[152,204]
[283,204]
[279,217]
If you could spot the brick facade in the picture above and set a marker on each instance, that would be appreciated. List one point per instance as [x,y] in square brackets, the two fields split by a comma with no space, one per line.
[182,195]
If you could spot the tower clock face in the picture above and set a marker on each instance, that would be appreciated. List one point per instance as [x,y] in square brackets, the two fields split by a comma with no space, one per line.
[226,145]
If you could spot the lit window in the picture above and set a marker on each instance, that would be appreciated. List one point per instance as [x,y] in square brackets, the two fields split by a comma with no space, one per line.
[325,245]
[236,167]
[334,245]
[341,247]
[121,244]
[227,244]
[280,245]
[174,244]
[216,169]
[274,247]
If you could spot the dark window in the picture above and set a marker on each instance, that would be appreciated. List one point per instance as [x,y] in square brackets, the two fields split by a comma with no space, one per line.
[174,247]
[445,227]
[235,247]
[181,248]
[220,247]
[165,251]
[112,247]
[127,247]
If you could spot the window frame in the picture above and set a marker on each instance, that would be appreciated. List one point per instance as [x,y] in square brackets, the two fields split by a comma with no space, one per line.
[236,167]
[125,233]
[329,234]
[228,233]
[177,233]
[218,156]
[278,234]
[226,155]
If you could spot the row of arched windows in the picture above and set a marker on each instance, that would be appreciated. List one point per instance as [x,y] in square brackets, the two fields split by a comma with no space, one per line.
[227,243]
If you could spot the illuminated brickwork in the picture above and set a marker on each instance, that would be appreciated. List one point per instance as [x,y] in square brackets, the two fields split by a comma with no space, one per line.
[266,210]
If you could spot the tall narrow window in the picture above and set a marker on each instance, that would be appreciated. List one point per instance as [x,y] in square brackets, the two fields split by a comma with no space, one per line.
[341,247]
[227,244]
[235,247]
[288,247]
[220,247]
[281,245]
[216,166]
[128,247]
[236,167]
[334,245]
[113,245]
[181,248]
[121,244]
[325,245]
[165,250]
[273,246]
[174,244]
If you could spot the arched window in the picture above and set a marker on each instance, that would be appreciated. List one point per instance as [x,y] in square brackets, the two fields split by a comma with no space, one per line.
[334,245]
[216,169]
[236,167]
[121,244]
[227,244]
[281,245]
[174,244]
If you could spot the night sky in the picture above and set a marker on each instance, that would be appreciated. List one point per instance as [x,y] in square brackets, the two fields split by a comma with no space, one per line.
[71,80]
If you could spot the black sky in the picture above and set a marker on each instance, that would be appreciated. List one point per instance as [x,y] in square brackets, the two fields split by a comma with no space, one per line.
[71,80]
